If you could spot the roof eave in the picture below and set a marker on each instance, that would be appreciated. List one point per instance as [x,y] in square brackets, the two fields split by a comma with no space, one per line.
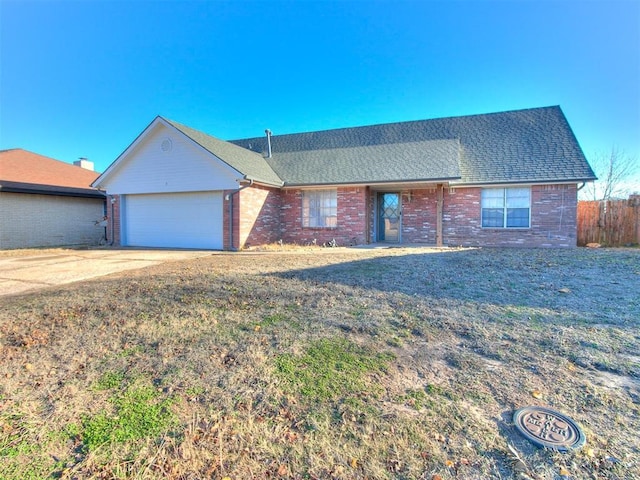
[264,183]
[536,181]
[32,188]
[371,183]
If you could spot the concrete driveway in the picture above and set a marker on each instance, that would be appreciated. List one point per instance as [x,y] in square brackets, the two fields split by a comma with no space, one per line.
[27,271]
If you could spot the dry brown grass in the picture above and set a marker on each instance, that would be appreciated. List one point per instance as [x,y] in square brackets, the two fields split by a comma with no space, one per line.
[440,347]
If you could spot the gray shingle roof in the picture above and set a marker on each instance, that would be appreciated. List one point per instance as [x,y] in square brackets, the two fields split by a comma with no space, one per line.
[250,164]
[390,162]
[521,146]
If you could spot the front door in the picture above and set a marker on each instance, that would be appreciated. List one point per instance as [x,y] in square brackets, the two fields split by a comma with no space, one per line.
[389,217]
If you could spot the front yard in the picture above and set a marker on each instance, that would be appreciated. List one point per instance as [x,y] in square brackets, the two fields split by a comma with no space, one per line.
[326,363]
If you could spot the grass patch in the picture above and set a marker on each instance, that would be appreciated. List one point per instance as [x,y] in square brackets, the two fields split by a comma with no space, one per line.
[416,398]
[330,369]
[273,319]
[14,441]
[23,449]
[109,380]
[137,412]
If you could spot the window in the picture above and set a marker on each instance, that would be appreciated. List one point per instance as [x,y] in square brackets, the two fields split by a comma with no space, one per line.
[319,208]
[506,207]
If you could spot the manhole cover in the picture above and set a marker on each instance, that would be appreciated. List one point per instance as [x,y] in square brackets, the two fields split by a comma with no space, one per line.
[547,428]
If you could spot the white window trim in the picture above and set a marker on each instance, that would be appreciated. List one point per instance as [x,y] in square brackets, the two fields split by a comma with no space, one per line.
[504,208]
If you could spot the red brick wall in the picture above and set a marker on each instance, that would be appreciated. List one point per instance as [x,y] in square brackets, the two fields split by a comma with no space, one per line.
[553,219]
[259,216]
[461,217]
[230,200]
[269,215]
[352,216]
[113,218]
[351,212]
[291,218]
[554,215]
[419,216]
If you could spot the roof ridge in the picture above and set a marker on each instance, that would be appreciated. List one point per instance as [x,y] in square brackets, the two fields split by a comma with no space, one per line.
[38,155]
[404,122]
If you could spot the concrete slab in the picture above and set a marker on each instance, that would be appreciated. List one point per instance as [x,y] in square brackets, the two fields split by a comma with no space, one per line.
[27,271]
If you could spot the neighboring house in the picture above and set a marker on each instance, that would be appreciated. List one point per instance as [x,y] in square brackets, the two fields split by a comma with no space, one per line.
[500,179]
[45,202]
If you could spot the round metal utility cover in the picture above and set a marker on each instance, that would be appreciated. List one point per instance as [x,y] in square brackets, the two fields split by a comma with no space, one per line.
[548,428]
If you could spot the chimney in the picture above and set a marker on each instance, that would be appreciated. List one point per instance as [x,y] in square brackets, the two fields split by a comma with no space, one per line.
[82,162]
[268,132]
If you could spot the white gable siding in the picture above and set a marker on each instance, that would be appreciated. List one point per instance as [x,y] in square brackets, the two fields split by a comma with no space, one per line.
[167,161]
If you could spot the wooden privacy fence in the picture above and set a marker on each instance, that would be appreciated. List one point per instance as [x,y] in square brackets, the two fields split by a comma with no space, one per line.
[614,223]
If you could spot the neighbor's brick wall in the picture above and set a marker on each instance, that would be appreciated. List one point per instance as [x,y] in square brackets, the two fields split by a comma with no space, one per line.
[32,220]
[351,213]
[553,219]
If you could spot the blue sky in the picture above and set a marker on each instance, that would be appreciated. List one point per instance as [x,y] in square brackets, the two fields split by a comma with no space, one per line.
[84,78]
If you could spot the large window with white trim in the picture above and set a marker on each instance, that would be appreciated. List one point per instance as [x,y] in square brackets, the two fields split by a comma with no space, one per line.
[320,208]
[506,207]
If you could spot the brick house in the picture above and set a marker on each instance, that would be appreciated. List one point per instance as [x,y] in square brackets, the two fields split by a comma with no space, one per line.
[46,202]
[499,179]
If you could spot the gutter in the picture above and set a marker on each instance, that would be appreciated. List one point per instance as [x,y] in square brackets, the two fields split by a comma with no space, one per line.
[563,181]
[229,198]
[33,188]
[371,183]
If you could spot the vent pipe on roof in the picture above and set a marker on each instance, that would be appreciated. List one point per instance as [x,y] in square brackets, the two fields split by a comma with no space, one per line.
[83,162]
[268,132]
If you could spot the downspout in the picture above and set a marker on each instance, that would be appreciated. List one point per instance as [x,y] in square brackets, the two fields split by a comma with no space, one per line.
[581,186]
[230,199]
[112,201]
[439,210]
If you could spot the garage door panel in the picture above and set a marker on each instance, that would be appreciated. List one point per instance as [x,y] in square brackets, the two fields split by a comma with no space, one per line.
[180,220]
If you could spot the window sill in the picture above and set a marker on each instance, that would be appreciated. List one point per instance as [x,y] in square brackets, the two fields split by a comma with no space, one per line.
[504,229]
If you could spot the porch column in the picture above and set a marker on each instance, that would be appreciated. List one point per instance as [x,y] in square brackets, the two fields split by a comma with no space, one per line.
[439,202]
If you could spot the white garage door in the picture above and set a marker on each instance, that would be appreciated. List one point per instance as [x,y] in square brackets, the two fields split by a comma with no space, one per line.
[180,220]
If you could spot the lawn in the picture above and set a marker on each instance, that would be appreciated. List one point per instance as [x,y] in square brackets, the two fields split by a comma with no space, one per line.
[326,363]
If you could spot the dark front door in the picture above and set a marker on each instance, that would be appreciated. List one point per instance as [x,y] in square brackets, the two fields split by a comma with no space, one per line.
[389,217]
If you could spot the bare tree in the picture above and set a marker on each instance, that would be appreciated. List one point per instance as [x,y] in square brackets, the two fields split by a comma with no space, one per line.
[617,176]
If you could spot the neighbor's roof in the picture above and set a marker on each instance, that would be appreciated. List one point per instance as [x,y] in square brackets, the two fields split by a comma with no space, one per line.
[252,165]
[24,171]
[521,146]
